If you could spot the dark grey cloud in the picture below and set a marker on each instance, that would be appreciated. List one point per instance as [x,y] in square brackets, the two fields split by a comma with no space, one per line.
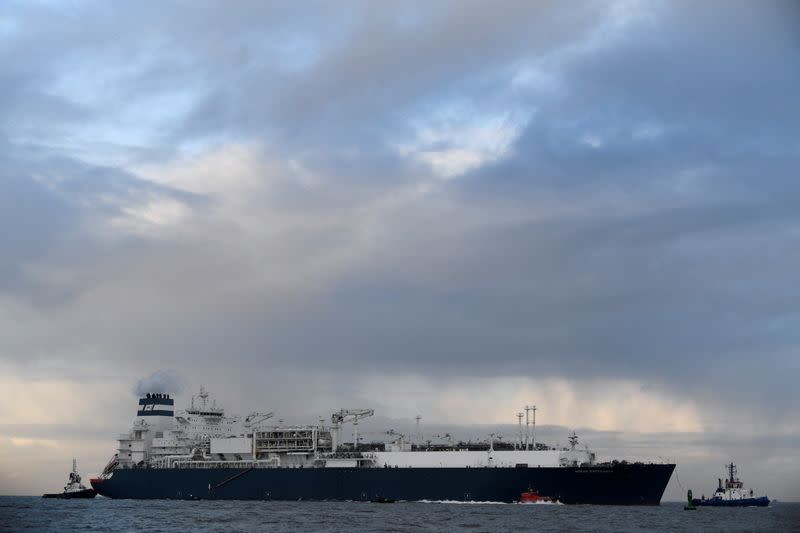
[52,207]
[382,64]
[536,281]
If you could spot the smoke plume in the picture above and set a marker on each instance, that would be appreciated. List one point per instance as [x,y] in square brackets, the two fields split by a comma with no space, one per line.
[165,381]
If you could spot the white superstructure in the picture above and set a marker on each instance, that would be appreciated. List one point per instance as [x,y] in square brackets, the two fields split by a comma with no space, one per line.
[74,482]
[202,436]
[733,489]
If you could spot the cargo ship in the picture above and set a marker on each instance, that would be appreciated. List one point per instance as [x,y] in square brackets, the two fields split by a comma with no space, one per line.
[202,453]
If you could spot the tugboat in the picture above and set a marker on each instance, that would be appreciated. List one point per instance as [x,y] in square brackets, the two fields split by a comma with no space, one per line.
[733,494]
[73,488]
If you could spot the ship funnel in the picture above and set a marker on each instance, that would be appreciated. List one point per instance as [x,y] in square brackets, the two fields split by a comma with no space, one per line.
[156,409]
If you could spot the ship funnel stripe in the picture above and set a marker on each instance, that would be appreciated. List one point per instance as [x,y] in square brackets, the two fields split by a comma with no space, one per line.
[154,413]
[156,401]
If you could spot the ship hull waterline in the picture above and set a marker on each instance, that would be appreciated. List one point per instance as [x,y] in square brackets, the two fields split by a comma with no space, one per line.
[631,484]
[762,501]
[75,495]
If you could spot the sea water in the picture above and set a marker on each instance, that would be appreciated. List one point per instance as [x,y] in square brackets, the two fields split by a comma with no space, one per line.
[152,516]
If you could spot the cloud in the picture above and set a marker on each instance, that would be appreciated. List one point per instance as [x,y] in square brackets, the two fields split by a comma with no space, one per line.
[37,443]
[605,405]
[161,381]
[458,140]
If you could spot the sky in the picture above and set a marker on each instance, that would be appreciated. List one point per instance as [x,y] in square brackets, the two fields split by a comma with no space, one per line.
[451,209]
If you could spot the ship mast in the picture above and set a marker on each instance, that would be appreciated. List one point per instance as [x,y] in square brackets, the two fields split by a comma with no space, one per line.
[203,396]
[573,441]
[527,426]
[732,481]
[530,443]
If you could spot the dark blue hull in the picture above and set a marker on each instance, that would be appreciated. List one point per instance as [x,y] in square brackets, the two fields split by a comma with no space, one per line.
[763,501]
[623,484]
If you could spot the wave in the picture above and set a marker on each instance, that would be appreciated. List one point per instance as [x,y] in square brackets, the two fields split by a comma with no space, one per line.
[460,502]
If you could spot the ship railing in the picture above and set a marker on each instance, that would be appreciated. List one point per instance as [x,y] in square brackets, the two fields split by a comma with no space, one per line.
[262,463]
[345,455]
[285,449]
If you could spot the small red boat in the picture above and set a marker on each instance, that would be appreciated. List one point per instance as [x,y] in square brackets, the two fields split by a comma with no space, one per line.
[533,496]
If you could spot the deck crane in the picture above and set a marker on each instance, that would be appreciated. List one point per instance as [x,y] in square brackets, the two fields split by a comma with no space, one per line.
[398,438]
[348,415]
[252,420]
[447,436]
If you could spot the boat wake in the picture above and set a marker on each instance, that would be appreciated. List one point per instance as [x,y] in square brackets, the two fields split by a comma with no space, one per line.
[460,502]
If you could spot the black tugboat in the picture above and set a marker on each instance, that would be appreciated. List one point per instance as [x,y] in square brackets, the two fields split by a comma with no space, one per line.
[73,488]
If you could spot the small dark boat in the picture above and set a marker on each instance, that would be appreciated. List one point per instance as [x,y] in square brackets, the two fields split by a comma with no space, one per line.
[381,499]
[733,494]
[73,489]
